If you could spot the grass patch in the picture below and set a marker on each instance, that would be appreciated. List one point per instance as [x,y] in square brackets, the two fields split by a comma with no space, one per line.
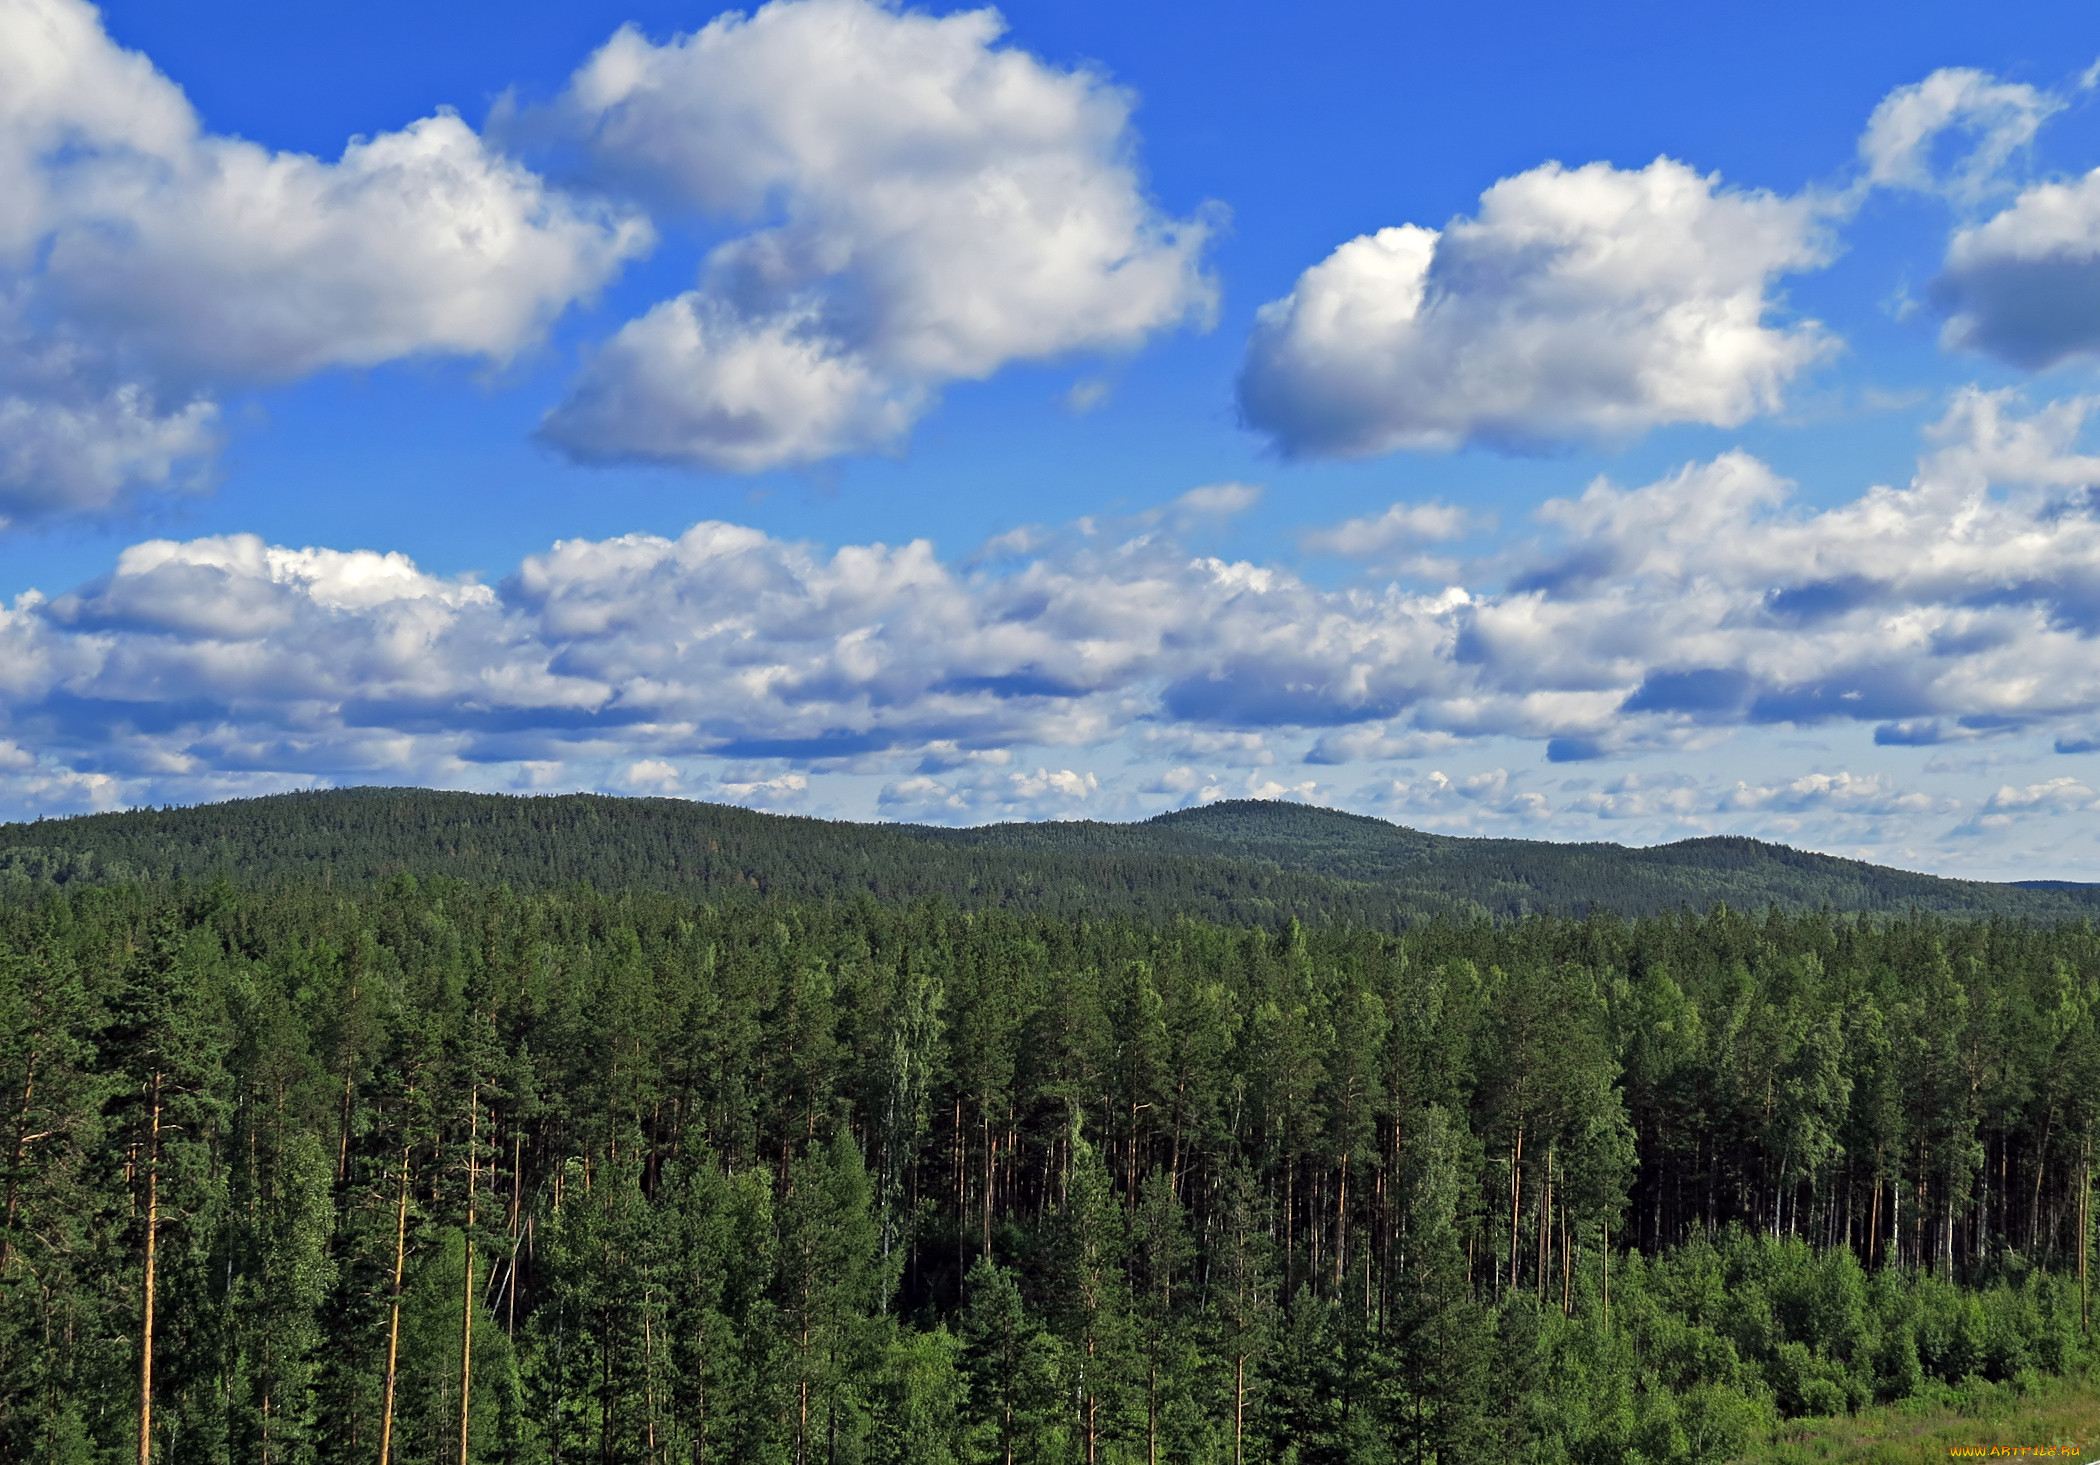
[2061,1414]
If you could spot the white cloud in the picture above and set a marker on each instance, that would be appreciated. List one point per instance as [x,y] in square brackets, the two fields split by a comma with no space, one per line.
[1952,133]
[1218,745]
[984,795]
[693,382]
[1218,500]
[1493,800]
[232,263]
[1842,792]
[1402,526]
[2055,796]
[2024,285]
[932,206]
[1371,742]
[650,776]
[69,450]
[1181,782]
[147,264]
[781,791]
[1668,617]
[1580,303]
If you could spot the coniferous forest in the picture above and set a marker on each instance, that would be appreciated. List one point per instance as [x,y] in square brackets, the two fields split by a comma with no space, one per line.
[427,1170]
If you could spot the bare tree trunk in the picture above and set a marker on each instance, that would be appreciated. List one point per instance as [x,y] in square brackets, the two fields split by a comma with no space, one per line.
[1874,1220]
[2085,1230]
[1516,1198]
[1567,1263]
[466,1315]
[2034,1207]
[1606,1232]
[1093,1436]
[1546,1225]
[1239,1408]
[21,1150]
[393,1326]
[152,1244]
[649,1372]
[1341,1225]
[342,1142]
[1152,1406]
[517,1156]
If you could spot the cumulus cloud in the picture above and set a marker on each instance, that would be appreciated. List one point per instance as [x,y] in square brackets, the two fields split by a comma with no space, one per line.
[1493,800]
[1952,133]
[780,792]
[728,663]
[146,264]
[930,206]
[1843,792]
[1369,742]
[985,795]
[2024,285]
[1403,526]
[1578,303]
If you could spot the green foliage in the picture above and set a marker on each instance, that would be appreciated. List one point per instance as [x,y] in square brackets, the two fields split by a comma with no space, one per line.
[779,1182]
[1238,861]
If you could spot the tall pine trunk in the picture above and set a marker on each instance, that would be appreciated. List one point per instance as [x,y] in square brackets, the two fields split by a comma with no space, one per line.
[466,1312]
[21,1153]
[152,1245]
[393,1326]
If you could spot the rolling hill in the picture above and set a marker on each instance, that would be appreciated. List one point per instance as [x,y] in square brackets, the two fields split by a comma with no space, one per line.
[1239,860]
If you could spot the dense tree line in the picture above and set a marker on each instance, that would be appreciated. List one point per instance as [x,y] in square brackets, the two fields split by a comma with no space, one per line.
[441,1172]
[1240,862]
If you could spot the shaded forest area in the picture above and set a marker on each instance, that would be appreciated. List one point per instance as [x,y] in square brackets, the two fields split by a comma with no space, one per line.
[1240,862]
[439,1171]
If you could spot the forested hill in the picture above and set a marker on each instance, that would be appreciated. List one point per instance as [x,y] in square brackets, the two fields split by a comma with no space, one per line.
[1239,861]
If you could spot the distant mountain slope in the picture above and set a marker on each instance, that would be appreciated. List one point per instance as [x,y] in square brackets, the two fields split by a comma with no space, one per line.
[1240,861]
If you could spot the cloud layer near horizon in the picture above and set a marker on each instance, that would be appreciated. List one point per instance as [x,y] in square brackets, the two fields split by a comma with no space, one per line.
[1957,608]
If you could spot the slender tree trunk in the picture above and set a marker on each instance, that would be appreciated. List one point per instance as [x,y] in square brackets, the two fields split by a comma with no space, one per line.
[152,1245]
[1546,1226]
[1341,1225]
[1874,1220]
[1605,1231]
[21,1151]
[2085,1231]
[802,1395]
[1567,1263]
[1093,1438]
[649,1366]
[517,1156]
[393,1326]
[1239,1408]
[1152,1406]
[1516,1199]
[342,1143]
[1290,1223]
[2034,1207]
[466,1315]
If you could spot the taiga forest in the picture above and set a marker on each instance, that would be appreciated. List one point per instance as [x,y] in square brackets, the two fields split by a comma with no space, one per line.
[391,1126]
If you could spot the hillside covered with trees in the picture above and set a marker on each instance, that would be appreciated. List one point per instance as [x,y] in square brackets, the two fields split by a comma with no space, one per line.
[402,1127]
[624,1177]
[1241,861]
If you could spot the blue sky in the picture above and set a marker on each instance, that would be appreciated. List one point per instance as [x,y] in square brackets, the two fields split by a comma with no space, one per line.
[1618,422]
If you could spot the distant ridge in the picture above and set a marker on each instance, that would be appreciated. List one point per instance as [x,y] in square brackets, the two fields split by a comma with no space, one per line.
[1240,860]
